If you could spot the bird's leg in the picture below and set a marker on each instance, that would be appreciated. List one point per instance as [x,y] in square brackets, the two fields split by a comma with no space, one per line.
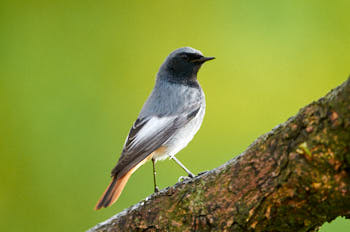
[156,189]
[190,174]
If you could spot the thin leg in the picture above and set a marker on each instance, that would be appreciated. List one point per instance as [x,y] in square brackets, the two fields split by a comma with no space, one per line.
[190,174]
[156,189]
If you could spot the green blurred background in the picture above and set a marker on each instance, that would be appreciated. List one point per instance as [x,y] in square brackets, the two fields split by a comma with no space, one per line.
[74,75]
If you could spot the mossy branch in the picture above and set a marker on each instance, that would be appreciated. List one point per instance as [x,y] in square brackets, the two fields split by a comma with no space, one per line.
[294,178]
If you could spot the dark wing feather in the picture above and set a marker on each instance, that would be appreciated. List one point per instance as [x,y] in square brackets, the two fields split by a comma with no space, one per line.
[133,152]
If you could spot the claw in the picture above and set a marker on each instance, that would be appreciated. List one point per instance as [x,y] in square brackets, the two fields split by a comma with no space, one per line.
[156,189]
[182,178]
[201,173]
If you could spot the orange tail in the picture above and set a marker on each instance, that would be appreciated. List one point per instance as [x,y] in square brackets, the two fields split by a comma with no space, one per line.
[113,191]
[116,187]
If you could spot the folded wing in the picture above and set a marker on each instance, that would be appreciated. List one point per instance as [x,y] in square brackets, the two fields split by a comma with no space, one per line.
[146,136]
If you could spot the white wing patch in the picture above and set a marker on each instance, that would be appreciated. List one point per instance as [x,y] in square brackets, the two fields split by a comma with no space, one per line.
[151,129]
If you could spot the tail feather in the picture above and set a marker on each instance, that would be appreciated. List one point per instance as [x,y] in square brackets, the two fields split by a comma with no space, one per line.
[113,191]
[115,188]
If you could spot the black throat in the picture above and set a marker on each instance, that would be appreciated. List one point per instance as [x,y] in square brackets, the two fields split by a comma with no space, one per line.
[185,77]
[179,79]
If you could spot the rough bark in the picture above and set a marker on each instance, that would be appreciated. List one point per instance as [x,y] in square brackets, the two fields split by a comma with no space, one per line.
[294,178]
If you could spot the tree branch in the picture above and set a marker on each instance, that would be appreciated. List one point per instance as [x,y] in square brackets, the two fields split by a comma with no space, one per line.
[294,178]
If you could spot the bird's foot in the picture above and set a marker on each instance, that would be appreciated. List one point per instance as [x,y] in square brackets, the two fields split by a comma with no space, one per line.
[201,173]
[156,189]
[191,175]
[182,178]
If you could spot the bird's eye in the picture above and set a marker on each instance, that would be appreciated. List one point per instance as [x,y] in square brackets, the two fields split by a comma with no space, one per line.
[184,56]
[196,56]
[190,56]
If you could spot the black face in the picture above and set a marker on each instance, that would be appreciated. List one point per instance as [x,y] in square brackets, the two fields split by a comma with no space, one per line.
[185,65]
[182,66]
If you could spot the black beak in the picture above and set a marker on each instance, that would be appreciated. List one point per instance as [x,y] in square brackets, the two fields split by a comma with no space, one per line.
[202,59]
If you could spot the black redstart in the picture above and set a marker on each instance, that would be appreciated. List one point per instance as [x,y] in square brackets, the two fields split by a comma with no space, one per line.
[169,119]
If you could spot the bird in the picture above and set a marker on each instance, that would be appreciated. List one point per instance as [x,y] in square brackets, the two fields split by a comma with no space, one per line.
[168,121]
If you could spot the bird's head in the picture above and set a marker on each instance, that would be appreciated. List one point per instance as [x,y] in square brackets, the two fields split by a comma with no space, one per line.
[183,64]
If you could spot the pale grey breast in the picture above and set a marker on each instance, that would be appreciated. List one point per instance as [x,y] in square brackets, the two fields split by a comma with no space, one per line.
[172,99]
